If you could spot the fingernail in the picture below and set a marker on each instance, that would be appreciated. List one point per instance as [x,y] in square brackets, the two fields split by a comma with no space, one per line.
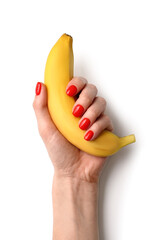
[78,110]
[71,90]
[88,135]
[38,88]
[84,124]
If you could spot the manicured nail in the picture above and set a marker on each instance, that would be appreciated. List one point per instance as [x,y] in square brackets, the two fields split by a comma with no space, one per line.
[78,110]
[38,88]
[71,90]
[84,124]
[88,135]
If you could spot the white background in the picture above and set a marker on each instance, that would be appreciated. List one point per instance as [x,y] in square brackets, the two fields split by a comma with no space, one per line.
[120,47]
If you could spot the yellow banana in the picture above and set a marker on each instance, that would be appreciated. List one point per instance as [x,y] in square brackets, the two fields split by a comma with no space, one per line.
[58,72]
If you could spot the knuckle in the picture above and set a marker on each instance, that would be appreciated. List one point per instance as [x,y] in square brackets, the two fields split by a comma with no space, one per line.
[102,122]
[98,126]
[80,79]
[92,114]
[106,118]
[93,87]
[102,101]
[37,105]
[85,97]
[108,122]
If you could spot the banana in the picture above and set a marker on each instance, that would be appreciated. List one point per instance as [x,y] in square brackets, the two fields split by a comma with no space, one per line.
[58,72]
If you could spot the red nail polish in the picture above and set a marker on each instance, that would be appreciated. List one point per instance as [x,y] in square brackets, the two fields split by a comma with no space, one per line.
[84,124]
[71,90]
[78,110]
[88,135]
[38,88]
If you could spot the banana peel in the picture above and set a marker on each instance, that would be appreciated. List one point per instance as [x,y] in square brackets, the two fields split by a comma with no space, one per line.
[58,72]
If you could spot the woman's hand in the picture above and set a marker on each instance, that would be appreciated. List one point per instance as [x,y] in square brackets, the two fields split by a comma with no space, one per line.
[68,160]
[75,182]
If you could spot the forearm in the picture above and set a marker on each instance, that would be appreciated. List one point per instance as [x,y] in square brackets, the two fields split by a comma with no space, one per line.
[75,209]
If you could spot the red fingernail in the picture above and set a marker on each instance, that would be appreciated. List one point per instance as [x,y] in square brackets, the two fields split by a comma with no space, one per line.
[38,88]
[78,110]
[88,135]
[84,124]
[71,90]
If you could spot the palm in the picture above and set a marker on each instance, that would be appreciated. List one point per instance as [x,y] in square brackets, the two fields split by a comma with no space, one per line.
[73,162]
[67,159]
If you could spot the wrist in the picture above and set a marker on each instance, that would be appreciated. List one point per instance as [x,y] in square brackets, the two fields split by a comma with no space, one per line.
[75,205]
[75,187]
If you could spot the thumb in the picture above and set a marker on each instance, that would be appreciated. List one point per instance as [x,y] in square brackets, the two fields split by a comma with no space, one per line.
[46,126]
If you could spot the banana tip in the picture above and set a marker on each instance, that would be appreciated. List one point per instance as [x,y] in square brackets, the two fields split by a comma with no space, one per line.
[68,35]
[127,140]
[132,138]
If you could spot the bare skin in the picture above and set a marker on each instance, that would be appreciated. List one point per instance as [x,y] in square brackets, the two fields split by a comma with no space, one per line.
[76,173]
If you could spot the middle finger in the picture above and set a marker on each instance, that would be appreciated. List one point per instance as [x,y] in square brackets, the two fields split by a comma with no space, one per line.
[92,113]
[84,100]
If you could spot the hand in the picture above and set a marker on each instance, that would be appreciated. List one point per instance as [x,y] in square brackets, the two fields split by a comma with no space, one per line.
[68,160]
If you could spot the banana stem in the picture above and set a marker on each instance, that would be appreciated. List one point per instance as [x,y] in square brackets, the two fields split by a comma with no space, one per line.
[127,140]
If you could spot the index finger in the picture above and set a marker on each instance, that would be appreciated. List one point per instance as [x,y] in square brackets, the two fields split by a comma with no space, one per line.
[75,86]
